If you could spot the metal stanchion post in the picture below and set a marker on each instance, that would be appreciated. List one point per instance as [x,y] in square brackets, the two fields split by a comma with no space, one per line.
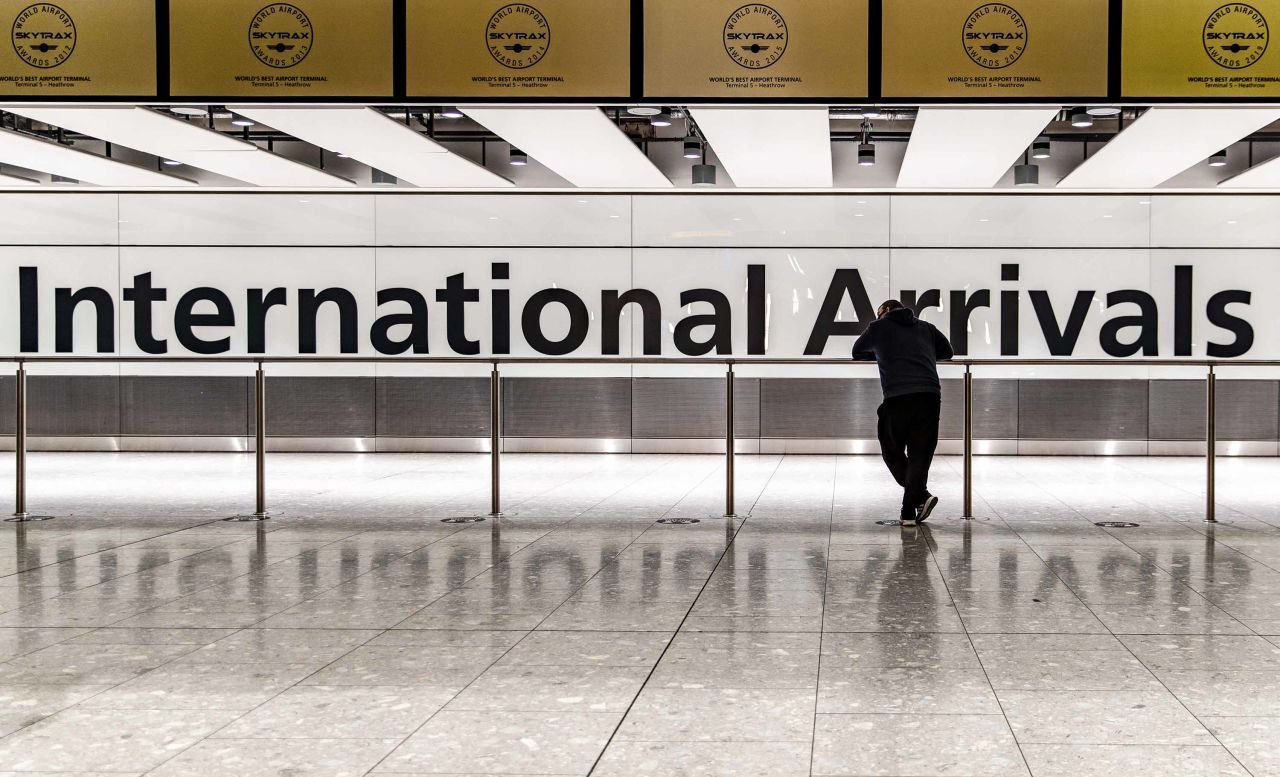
[20,514]
[1211,445]
[968,441]
[495,442]
[259,448]
[729,445]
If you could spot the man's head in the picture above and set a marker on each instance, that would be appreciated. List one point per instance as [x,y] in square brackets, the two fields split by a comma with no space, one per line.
[887,307]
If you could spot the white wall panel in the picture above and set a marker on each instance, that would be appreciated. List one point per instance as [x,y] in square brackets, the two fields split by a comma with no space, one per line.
[73,268]
[762,221]
[1208,221]
[1061,273]
[58,219]
[584,272]
[797,282]
[1030,221]
[247,219]
[236,270]
[1214,271]
[504,220]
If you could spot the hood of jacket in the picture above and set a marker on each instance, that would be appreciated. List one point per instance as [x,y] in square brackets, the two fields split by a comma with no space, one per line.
[902,317]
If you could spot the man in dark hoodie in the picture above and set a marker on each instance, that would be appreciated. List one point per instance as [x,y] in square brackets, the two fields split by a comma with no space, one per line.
[907,351]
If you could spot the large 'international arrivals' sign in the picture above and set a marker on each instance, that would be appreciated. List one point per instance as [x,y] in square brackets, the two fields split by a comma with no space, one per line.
[1020,48]
[786,48]
[494,48]
[302,48]
[211,301]
[78,48]
[1200,48]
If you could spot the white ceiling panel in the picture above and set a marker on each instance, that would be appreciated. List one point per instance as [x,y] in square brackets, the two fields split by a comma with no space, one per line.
[968,148]
[156,133]
[1162,143]
[370,137]
[581,145]
[770,147]
[46,156]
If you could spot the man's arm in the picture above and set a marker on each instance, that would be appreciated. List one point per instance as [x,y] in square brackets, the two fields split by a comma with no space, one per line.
[942,346]
[864,349]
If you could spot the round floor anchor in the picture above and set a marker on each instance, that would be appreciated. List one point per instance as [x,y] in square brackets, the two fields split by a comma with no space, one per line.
[680,521]
[1117,524]
[28,518]
[463,519]
[249,518]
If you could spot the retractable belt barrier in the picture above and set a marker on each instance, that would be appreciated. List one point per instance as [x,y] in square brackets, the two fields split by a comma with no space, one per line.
[20,513]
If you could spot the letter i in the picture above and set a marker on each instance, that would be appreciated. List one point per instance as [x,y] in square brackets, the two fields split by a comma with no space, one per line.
[501,310]
[1009,312]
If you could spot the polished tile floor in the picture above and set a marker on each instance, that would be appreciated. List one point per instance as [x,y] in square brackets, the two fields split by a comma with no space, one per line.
[355,633]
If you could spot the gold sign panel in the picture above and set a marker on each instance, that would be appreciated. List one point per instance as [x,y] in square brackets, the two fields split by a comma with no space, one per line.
[1201,48]
[98,48]
[1019,48]
[492,48]
[787,48]
[302,48]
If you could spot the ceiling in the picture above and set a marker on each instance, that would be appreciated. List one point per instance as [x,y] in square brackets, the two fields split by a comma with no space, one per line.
[759,147]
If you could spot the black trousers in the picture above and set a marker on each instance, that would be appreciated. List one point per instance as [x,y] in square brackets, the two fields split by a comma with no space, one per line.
[908,433]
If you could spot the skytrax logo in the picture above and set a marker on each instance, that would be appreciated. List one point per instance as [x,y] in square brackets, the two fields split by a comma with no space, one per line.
[44,35]
[281,35]
[1236,36]
[755,36]
[995,36]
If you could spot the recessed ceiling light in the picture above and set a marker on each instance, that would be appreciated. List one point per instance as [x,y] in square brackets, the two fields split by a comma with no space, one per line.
[1103,111]
[188,110]
[518,158]
[643,110]
[660,119]
[241,121]
[451,112]
[1218,159]
[171,163]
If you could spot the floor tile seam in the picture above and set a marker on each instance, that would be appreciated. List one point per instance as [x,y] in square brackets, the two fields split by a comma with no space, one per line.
[245,713]
[728,545]
[527,633]
[986,675]
[1175,580]
[1175,697]
[822,618]
[580,477]
[105,689]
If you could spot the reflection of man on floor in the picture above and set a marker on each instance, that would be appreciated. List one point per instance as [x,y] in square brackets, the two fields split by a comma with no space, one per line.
[907,351]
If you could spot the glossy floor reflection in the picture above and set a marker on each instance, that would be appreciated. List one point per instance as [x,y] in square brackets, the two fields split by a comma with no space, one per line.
[355,633]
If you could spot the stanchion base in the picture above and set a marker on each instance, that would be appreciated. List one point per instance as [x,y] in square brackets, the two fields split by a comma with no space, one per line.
[250,517]
[1211,520]
[731,516]
[464,519]
[27,518]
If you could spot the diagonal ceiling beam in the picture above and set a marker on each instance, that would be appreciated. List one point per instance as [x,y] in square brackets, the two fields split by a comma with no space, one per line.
[374,139]
[1162,143]
[581,145]
[770,147]
[155,133]
[968,148]
[34,153]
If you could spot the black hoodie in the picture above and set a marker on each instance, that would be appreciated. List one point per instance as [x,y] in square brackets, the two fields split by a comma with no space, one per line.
[907,350]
